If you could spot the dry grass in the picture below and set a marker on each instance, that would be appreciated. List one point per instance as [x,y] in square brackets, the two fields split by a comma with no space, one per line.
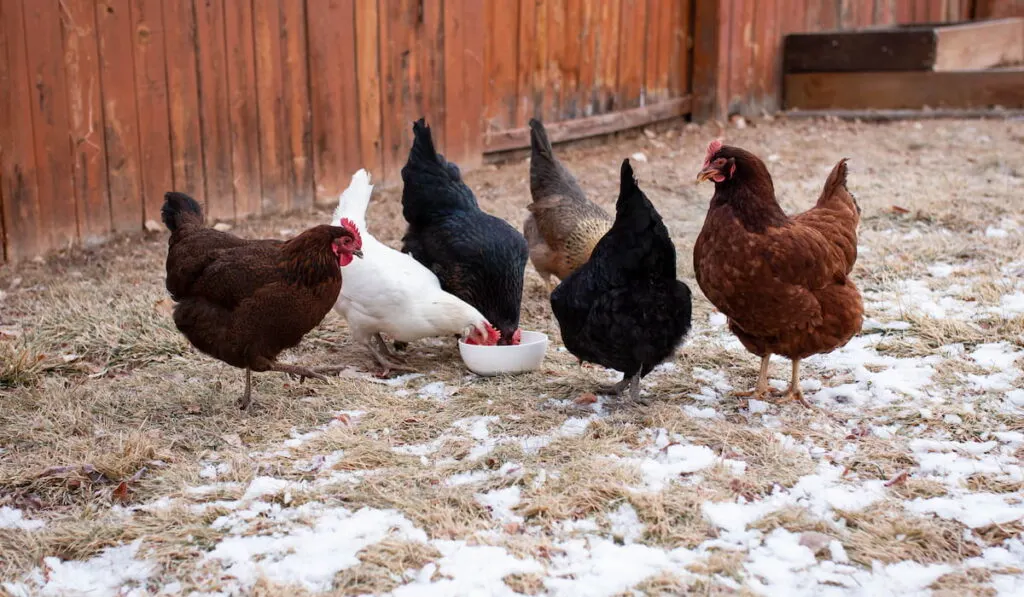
[105,405]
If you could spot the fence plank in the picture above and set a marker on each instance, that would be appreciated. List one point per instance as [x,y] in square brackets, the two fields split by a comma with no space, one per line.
[398,63]
[243,108]
[680,49]
[428,76]
[332,67]
[296,113]
[554,63]
[527,46]
[368,76]
[589,24]
[120,114]
[500,56]
[184,111]
[215,109]
[631,53]
[608,58]
[539,61]
[464,51]
[24,235]
[49,115]
[571,97]
[85,113]
[269,56]
[151,90]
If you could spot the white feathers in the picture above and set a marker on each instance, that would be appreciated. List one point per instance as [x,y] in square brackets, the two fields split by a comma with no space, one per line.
[388,291]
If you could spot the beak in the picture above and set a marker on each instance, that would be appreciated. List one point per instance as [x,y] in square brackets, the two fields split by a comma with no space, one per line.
[358,253]
[705,174]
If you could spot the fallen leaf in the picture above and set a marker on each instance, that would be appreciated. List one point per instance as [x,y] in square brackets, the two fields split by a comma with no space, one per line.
[343,418]
[513,528]
[896,209]
[900,478]
[121,492]
[585,399]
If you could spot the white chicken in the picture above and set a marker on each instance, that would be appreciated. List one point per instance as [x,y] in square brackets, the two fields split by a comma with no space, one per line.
[390,292]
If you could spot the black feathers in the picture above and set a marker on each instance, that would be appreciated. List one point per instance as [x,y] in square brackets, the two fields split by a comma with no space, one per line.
[179,208]
[478,257]
[624,308]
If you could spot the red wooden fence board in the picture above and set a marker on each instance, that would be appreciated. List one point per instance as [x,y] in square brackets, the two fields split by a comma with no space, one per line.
[58,216]
[151,90]
[269,57]
[297,113]
[214,109]
[184,113]
[85,115]
[243,108]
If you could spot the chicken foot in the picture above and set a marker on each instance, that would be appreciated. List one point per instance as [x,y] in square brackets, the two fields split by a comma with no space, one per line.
[380,352]
[794,394]
[761,390]
[618,389]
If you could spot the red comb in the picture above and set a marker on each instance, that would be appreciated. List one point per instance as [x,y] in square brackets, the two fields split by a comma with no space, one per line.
[349,225]
[713,148]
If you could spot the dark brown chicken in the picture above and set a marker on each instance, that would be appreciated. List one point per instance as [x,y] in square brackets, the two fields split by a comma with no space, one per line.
[783,282]
[244,301]
[563,226]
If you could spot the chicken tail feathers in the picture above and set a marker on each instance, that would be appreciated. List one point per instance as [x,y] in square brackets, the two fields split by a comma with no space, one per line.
[539,140]
[354,200]
[431,183]
[630,195]
[835,187]
[180,210]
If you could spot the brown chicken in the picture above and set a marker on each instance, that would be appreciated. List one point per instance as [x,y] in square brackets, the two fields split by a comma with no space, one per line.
[244,301]
[563,225]
[783,282]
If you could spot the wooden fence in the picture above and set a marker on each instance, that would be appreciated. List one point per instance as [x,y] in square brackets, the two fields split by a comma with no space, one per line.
[260,106]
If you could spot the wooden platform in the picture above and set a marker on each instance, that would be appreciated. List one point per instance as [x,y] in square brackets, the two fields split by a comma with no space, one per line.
[978,65]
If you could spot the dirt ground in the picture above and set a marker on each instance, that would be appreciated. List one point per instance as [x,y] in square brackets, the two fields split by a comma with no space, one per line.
[122,447]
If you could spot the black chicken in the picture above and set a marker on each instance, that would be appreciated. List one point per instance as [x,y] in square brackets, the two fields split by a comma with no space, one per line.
[624,309]
[477,257]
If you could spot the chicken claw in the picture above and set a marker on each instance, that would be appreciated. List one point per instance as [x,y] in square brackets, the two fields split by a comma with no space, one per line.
[794,396]
[761,390]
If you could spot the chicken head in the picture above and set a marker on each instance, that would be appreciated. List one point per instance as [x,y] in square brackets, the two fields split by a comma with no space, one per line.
[483,335]
[717,168]
[347,246]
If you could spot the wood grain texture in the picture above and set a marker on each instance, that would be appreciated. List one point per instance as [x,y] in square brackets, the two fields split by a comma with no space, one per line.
[906,90]
[184,110]
[49,114]
[332,67]
[151,90]
[711,59]
[369,82]
[297,112]
[608,57]
[243,109]
[500,58]
[269,57]
[399,20]
[120,114]
[632,54]
[527,47]
[85,115]
[215,109]
[464,52]
[22,221]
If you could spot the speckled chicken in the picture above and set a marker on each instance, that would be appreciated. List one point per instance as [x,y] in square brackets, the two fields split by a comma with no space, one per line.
[563,226]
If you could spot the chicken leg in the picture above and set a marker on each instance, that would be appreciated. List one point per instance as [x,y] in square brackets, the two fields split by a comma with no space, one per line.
[630,383]
[794,393]
[760,391]
[378,349]
[246,399]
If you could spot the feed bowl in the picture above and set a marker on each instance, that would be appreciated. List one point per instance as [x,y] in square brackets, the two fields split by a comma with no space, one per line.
[495,360]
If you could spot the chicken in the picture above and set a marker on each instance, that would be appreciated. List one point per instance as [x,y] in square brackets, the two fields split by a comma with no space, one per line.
[389,291]
[624,308]
[244,301]
[477,257]
[563,225]
[783,282]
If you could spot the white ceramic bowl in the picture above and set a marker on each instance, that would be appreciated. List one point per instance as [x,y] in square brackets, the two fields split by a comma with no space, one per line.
[495,360]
